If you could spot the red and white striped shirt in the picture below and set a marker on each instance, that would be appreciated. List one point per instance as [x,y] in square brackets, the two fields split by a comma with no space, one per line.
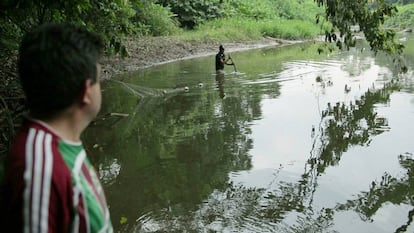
[50,186]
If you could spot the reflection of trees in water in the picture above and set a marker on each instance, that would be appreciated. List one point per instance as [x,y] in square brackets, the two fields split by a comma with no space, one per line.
[389,190]
[221,144]
[239,208]
[174,150]
[358,61]
[343,126]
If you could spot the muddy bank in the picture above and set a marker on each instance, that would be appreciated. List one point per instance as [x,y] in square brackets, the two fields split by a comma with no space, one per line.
[151,51]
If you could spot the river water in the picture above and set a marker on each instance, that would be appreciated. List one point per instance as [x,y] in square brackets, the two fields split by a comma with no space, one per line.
[288,140]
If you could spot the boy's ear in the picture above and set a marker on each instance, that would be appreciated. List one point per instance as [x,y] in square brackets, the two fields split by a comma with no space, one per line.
[86,97]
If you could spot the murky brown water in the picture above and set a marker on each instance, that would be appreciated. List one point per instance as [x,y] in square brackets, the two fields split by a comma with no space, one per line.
[291,142]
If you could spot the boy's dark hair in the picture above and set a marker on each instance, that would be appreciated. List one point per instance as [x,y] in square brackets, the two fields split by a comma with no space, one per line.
[54,62]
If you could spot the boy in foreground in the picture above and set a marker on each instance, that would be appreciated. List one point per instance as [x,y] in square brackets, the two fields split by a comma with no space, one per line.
[50,185]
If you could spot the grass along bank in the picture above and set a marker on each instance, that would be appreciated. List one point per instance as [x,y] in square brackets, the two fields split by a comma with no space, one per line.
[244,29]
[403,20]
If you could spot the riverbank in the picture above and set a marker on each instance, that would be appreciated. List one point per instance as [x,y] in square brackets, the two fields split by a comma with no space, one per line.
[151,51]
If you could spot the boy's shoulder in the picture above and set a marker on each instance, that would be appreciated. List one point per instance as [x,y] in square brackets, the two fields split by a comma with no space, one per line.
[31,136]
[35,145]
[33,129]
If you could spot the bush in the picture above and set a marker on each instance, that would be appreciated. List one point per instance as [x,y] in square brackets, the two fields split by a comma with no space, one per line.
[289,29]
[193,13]
[153,19]
[256,9]
[403,19]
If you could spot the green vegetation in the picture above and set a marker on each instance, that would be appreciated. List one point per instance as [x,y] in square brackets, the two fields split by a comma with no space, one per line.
[250,29]
[231,19]
[404,19]
[208,19]
[155,20]
[369,16]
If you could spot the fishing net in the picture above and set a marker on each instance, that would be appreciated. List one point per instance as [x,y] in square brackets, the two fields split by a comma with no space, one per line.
[141,91]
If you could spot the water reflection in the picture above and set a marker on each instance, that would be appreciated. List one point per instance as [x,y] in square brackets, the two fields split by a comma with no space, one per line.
[109,171]
[390,189]
[245,209]
[173,150]
[348,124]
[220,82]
[172,156]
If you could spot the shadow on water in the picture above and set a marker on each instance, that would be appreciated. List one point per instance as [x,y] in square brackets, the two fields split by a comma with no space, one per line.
[189,155]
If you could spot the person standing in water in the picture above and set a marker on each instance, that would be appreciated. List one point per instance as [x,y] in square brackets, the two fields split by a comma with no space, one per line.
[49,183]
[221,60]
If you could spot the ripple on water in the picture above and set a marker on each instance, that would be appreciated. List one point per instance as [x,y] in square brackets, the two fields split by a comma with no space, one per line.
[293,71]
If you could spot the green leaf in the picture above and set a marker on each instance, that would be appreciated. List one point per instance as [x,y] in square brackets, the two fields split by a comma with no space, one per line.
[123,220]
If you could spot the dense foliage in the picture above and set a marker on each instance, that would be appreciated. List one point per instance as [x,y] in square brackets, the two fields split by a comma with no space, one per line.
[192,13]
[111,18]
[369,16]
[115,19]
